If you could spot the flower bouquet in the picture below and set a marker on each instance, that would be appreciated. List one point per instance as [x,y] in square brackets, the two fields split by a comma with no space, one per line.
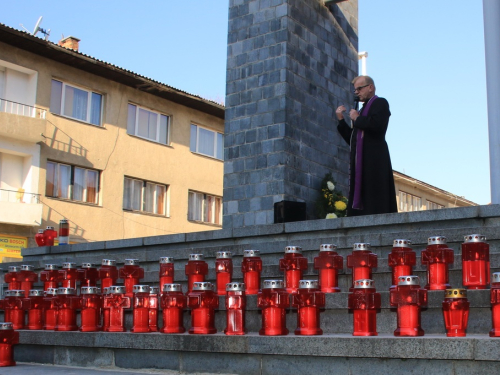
[331,202]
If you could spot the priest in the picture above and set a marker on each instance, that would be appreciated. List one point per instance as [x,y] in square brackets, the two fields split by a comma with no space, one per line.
[371,182]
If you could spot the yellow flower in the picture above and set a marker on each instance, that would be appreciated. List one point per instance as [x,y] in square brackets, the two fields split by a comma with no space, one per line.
[331,216]
[341,206]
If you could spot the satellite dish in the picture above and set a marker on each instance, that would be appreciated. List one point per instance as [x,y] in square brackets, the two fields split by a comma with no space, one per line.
[37,26]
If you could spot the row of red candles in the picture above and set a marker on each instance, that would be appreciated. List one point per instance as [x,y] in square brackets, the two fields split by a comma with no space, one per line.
[362,260]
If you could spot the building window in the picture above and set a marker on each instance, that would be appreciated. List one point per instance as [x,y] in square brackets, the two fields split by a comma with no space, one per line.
[147,124]
[434,206]
[205,208]
[70,182]
[206,142]
[139,195]
[77,103]
[409,202]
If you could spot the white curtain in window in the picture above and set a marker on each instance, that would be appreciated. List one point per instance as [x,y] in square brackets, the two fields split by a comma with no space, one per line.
[149,199]
[64,181]
[75,103]
[206,139]
[79,184]
[195,206]
[132,194]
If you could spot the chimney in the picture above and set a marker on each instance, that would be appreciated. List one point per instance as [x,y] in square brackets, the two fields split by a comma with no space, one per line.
[69,42]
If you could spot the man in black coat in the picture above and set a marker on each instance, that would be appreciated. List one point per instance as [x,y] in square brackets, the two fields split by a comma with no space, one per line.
[371,182]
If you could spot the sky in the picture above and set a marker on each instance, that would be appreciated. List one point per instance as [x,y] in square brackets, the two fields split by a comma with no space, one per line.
[426,57]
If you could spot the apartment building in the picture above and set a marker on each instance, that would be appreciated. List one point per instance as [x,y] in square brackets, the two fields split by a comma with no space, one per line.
[117,154]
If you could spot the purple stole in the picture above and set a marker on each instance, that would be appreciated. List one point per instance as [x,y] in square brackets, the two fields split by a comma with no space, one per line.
[357,203]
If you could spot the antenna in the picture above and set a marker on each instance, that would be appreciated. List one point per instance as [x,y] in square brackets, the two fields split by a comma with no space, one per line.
[38,28]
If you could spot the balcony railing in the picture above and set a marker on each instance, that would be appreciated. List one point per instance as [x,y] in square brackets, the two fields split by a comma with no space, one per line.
[21,109]
[18,196]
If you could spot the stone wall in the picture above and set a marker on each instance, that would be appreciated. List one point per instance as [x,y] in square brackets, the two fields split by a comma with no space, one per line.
[290,62]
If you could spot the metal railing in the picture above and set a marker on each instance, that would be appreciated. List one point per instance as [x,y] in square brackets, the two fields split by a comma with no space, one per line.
[21,109]
[18,196]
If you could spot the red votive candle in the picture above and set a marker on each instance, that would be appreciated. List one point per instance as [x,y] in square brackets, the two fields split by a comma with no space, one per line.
[195,269]
[235,309]
[401,259]
[50,277]
[361,261]
[273,300]
[173,303]
[251,268]
[108,273]
[475,262]
[8,338]
[456,312]
[166,271]
[308,301]
[364,302]
[409,298]
[203,301]
[91,309]
[223,271]
[294,264]
[328,263]
[131,274]
[437,256]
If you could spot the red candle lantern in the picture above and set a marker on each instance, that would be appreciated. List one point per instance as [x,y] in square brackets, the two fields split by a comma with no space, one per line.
[50,309]
[131,273]
[14,306]
[251,268]
[409,298]
[166,271]
[50,235]
[475,262]
[69,275]
[63,232]
[308,301]
[141,309]
[195,270]
[362,261]
[437,256]
[88,275]
[154,295]
[173,303]
[294,264]
[27,277]
[401,259]
[40,238]
[8,338]
[34,305]
[67,302]
[364,302]
[495,304]
[235,309]
[203,301]
[91,308]
[223,271]
[328,264]
[116,302]
[12,278]
[273,300]
[108,273]
[456,312]
[105,312]
[50,277]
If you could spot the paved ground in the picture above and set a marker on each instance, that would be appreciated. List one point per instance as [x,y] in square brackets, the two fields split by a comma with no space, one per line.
[35,369]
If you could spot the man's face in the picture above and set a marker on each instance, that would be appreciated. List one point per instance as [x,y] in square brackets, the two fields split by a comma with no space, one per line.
[362,90]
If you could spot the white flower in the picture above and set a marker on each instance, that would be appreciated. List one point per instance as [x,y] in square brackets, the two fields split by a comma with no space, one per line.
[331,216]
[330,185]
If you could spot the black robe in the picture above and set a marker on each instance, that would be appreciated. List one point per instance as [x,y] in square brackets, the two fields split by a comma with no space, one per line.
[377,192]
